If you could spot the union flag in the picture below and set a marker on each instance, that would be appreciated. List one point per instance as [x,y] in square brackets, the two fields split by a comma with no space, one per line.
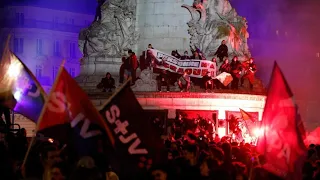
[19,89]
[282,142]
[70,117]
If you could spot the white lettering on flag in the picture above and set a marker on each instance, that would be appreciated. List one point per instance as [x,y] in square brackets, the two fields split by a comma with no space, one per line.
[121,127]
[34,94]
[280,123]
[58,103]
[112,116]
[134,150]
[84,133]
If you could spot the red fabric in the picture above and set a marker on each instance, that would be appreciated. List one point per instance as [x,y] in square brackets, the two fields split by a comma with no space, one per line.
[134,61]
[246,116]
[249,74]
[66,101]
[282,142]
[250,77]
[313,137]
[142,61]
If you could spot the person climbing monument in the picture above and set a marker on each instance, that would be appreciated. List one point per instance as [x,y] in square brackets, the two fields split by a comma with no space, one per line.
[222,51]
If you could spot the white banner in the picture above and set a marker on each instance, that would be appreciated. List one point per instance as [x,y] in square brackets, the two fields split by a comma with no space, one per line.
[224,78]
[195,68]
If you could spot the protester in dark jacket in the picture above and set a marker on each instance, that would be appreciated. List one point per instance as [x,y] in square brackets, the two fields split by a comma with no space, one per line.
[222,51]
[236,69]
[163,79]
[107,83]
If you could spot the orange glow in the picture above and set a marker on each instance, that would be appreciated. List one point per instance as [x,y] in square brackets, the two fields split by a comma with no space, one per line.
[50,140]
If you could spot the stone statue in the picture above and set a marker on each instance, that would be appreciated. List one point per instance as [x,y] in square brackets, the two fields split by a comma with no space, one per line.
[146,81]
[213,21]
[106,40]
[114,33]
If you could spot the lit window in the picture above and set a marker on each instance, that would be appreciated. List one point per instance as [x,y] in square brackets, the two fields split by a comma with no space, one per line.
[72,72]
[39,46]
[20,18]
[55,70]
[39,69]
[56,49]
[72,50]
[18,45]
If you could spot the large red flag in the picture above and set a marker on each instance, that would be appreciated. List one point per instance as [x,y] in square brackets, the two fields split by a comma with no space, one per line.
[282,142]
[70,114]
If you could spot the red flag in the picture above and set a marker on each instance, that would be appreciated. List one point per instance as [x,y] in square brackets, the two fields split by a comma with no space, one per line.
[69,105]
[282,142]
[246,116]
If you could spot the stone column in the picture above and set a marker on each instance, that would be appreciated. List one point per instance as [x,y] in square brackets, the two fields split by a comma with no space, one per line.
[163,24]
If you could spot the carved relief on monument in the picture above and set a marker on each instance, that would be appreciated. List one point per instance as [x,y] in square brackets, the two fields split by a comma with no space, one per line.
[114,34]
[213,21]
[146,82]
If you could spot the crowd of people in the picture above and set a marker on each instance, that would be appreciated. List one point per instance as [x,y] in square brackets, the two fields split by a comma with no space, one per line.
[240,71]
[185,156]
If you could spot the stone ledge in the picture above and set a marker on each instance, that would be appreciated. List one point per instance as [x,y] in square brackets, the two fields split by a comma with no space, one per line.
[252,97]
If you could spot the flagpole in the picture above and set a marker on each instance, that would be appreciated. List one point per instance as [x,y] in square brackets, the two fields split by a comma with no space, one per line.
[116,92]
[6,47]
[4,54]
[42,112]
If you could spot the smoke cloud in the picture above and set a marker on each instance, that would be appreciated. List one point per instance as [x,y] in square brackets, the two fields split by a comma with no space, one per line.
[287,31]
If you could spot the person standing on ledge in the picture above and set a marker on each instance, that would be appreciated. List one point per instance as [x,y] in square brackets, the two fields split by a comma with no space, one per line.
[133,65]
[250,71]
[150,46]
[184,82]
[222,51]
[236,69]
[98,10]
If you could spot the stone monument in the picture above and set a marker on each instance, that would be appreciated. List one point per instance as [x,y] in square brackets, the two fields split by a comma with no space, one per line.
[104,43]
[213,21]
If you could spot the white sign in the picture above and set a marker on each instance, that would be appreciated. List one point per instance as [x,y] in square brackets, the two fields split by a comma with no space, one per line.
[195,68]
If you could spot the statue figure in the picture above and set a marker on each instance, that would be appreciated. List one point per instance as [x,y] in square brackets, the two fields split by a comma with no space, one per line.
[113,33]
[146,81]
[213,21]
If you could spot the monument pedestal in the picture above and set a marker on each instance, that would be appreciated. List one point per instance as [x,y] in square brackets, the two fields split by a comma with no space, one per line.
[93,71]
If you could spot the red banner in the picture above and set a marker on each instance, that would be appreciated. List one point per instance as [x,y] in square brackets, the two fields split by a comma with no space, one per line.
[282,142]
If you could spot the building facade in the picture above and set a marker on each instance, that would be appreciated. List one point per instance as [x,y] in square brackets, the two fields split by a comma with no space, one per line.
[43,37]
